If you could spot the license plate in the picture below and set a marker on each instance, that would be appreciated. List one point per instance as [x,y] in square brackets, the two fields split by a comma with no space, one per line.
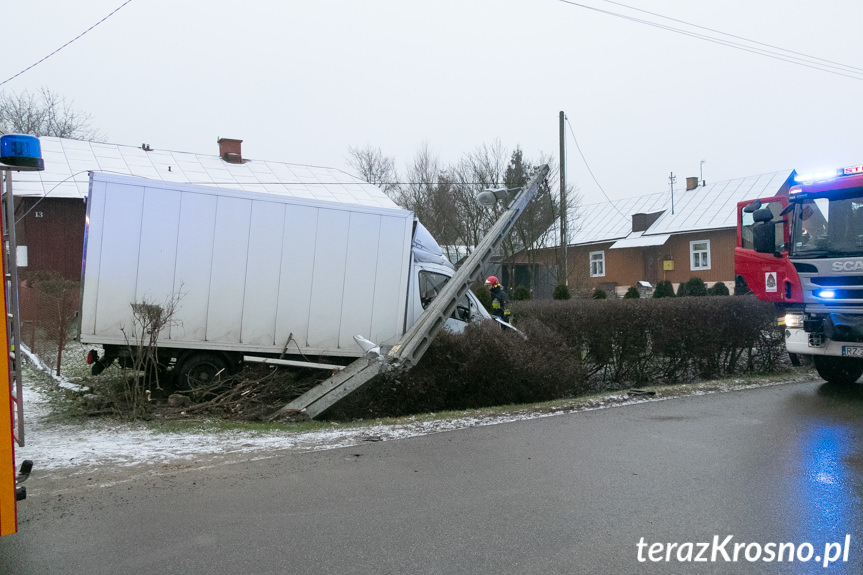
[849,351]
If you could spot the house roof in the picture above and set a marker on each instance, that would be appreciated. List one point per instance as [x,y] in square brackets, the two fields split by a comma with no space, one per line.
[67,163]
[709,207]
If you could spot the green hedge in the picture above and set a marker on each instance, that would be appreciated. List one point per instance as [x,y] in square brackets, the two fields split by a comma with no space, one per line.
[575,347]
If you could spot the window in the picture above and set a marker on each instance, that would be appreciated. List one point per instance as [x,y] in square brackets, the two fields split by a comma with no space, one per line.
[699,255]
[597,264]
[747,237]
[431,284]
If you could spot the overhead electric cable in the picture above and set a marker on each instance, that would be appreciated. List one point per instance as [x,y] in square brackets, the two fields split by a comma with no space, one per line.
[583,159]
[66,44]
[735,36]
[830,68]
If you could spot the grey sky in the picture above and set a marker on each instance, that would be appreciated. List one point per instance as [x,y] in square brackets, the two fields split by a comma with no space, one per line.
[303,81]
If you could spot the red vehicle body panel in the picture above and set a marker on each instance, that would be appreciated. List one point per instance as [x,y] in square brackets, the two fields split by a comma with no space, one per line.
[769,277]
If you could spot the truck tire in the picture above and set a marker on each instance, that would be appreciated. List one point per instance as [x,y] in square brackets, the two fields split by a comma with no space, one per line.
[838,370]
[201,370]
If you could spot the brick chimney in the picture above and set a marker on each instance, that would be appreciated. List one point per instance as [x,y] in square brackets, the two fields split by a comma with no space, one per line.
[230,150]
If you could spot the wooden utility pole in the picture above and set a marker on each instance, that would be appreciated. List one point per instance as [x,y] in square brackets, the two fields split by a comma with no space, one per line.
[562,265]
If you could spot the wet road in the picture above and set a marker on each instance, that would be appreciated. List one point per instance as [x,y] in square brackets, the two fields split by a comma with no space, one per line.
[769,467]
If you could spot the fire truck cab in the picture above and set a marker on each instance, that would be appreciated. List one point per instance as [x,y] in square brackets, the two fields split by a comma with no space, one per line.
[805,253]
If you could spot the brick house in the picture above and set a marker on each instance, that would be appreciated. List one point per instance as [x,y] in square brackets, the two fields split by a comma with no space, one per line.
[618,244]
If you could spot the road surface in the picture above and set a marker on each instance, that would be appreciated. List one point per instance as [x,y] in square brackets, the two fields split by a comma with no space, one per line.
[646,488]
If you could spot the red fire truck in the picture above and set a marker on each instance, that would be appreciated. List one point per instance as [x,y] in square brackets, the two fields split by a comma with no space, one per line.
[804,251]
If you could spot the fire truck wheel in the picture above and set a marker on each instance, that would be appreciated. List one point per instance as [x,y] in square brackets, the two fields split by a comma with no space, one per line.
[838,370]
[201,370]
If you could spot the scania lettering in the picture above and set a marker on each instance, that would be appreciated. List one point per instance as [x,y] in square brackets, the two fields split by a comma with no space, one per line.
[810,243]
[849,266]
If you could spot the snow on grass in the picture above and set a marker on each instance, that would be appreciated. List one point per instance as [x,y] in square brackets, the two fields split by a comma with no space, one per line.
[102,443]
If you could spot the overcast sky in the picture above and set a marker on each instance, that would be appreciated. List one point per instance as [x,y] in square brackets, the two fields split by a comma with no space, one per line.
[302,81]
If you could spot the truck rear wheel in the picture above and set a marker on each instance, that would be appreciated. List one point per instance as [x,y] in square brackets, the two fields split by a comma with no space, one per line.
[201,370]
[838,370]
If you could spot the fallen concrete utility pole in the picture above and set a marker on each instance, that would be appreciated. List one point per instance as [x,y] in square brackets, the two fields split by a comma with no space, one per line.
[414,343]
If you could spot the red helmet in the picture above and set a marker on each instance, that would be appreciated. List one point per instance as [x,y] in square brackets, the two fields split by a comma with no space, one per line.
[491,280]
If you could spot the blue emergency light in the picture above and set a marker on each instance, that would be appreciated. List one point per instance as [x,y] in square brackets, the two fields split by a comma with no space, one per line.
[826,294]
[817,176]
[828,174]
[21,152]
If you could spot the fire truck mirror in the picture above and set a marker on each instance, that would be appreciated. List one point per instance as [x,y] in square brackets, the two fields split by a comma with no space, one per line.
[752,207]
[762,215]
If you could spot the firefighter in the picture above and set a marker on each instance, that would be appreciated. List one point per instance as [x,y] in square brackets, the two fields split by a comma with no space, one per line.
[499,299]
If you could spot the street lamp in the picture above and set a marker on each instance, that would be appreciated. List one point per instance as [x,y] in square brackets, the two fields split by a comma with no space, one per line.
[490,196]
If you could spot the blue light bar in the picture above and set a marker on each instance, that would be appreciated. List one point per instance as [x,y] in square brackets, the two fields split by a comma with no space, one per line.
[826,294]
[827,175]
[21,152]
[817,176]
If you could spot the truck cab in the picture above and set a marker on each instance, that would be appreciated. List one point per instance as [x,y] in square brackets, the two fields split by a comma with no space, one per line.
[808,258]
[431,272]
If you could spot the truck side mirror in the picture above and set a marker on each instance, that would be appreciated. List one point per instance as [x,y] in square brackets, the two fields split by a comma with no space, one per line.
[764,237]
[762,215]
[752,207]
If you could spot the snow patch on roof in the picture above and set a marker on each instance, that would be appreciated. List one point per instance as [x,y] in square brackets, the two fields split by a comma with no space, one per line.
[67,163]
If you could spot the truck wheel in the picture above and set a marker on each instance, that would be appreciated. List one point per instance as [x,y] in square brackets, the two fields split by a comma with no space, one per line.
[838,370]
[201,370]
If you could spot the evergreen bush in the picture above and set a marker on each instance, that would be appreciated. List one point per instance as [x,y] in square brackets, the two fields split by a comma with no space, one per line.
[663,289]
[599,294]
[484,296]
[632,293]
[695,287]
[521,293]
[561,291]
[718,288]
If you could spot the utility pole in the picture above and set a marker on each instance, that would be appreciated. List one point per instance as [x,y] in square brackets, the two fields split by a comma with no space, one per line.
[672,179]
[562,266]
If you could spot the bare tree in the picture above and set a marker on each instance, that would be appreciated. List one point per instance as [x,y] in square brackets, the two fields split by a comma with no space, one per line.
[375,168]
[45,114]
[480,169]
[444,200]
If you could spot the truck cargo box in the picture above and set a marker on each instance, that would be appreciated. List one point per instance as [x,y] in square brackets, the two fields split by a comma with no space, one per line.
[250,272]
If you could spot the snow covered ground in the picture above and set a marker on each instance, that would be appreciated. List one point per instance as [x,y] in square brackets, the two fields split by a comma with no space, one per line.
[109,447]
[97,443]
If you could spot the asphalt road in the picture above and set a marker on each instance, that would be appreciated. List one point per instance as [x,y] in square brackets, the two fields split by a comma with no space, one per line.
[566,494]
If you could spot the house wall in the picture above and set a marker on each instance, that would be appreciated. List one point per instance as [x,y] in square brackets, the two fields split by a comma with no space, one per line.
[53,231]
[624,267]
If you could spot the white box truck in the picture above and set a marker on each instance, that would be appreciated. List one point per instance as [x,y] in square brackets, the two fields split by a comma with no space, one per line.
[252,275]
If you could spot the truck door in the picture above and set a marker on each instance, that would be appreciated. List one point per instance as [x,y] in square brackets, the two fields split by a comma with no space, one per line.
[767,273]
[430,284]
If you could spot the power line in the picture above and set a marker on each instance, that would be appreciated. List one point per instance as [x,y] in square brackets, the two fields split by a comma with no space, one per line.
[805,61]
[735,36]
[583,159]
[66,44]
[284,182]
